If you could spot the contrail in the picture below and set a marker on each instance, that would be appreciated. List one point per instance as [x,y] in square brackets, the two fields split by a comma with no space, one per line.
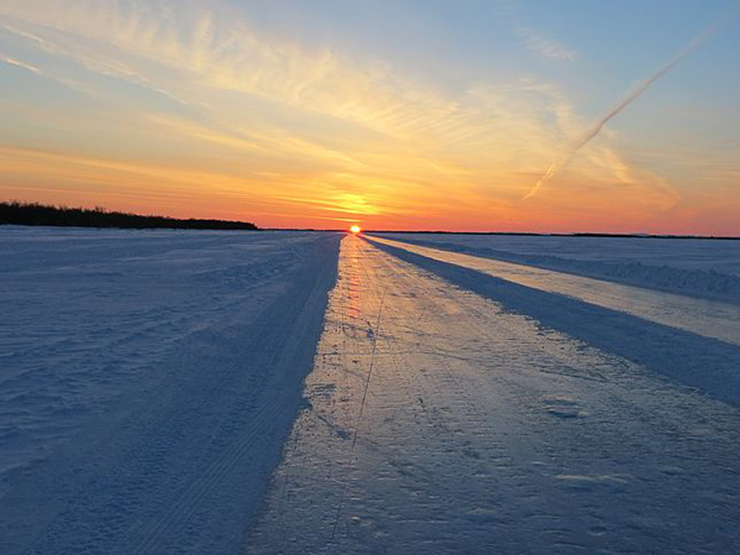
[703,36]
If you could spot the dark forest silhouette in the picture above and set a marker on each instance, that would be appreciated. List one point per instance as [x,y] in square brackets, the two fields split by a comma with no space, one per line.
[20,213]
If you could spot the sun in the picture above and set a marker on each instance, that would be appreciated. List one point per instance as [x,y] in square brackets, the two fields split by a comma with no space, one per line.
[355,229]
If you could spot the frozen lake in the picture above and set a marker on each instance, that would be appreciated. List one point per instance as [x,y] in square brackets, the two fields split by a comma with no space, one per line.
[278,392]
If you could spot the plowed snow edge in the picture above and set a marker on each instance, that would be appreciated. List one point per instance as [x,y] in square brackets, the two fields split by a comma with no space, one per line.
[184,467]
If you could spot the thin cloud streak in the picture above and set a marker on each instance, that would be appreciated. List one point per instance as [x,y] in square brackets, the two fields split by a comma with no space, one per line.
[702,37]
[549,48]
[22,65]
[256,116]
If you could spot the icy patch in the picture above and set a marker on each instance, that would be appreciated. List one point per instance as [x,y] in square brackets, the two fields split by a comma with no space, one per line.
[472,436]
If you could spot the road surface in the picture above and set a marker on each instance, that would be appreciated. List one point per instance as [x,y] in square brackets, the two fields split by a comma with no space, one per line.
[708,318]
[438,421]
[196,393]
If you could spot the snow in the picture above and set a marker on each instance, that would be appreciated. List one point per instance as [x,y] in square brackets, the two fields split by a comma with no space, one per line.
[705,268]
[701,316]
[148,381]
[190,392]
[442,422]
[654,335]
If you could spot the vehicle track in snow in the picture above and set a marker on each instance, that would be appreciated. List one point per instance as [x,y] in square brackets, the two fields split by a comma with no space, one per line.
[181,465]
[485,431]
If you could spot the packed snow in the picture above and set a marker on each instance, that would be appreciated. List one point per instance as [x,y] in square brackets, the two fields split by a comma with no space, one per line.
[442,422]
[148,381]
[659,331]
[192,392]
[706,268]
[710,318]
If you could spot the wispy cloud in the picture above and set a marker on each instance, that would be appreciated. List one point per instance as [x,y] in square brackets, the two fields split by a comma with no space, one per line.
[312,127]
[699,39]
[18,63]
[547,47]
[153,46]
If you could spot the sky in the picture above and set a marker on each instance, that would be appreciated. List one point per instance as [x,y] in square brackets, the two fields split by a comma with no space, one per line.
[394,114]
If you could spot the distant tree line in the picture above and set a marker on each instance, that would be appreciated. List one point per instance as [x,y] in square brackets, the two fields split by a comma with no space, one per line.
[20,213]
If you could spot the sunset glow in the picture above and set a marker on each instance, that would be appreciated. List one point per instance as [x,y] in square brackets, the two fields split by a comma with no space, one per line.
[355,229]
[299,115]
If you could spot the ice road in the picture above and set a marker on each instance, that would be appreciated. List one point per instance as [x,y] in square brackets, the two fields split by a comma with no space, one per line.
[440,421]
[228,393]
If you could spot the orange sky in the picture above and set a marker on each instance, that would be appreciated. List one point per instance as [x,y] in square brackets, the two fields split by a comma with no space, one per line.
[197,109]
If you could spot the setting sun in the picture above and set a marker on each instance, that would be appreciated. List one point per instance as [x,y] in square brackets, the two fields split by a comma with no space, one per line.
[189,179]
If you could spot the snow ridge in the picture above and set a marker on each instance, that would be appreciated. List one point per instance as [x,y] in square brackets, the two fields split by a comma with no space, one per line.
[705,284]
[699,362]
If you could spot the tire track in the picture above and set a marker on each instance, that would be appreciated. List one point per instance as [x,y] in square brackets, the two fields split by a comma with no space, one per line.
[295,337]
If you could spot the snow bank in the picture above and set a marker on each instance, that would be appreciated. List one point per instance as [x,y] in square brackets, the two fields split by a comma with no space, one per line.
[703,282]
[149,379]
[701,362]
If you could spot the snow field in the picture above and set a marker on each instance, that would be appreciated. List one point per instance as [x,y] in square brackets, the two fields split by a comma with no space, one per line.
[215,392]
[149,381]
